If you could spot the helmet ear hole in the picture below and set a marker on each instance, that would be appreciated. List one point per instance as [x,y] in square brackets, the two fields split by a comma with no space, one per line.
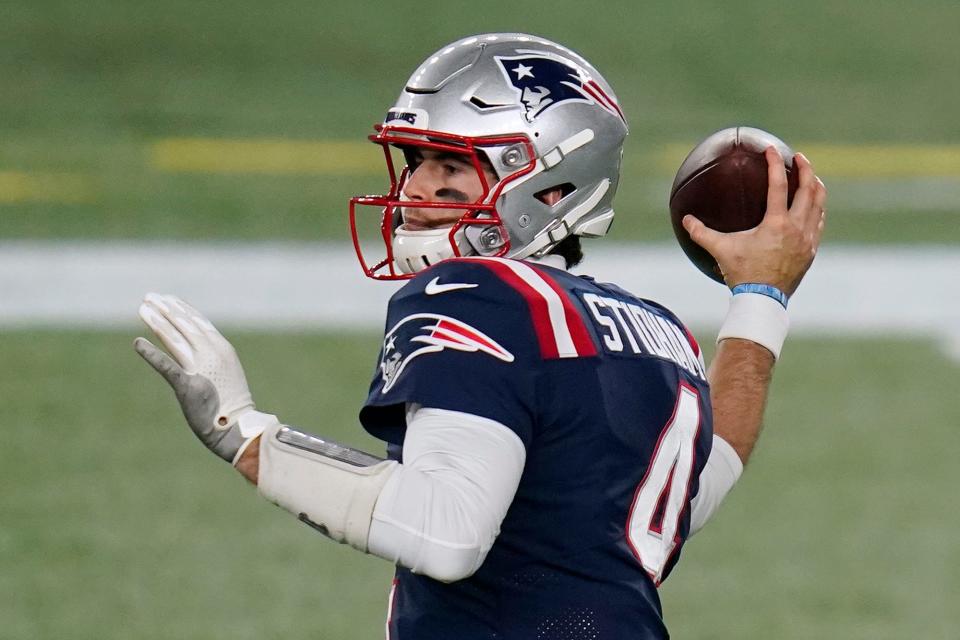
[552,195]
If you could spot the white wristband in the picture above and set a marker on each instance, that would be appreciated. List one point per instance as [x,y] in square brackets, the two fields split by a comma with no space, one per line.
[757,318]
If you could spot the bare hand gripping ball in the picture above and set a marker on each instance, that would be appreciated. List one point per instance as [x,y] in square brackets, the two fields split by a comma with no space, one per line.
[723,182]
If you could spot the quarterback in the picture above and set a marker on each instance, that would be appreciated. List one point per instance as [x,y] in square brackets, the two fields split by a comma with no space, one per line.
[551,441]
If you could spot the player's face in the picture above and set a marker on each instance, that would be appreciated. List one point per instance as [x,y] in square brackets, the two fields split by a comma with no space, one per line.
[441,177]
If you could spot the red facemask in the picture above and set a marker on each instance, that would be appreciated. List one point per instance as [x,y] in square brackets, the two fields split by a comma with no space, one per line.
[481,213]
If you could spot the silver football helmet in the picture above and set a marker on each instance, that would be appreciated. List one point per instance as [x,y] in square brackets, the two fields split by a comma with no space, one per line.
[538,113]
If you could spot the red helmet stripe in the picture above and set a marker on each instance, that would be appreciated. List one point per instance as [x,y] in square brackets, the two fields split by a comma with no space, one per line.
[601,96]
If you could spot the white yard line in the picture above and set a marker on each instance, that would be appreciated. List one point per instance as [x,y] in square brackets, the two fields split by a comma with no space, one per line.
[850,291]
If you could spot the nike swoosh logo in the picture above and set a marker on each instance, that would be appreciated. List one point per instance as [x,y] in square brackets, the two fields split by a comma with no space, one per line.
[434,287]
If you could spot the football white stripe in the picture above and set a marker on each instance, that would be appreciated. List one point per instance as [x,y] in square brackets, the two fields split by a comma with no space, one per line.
[98,285]
[558,319]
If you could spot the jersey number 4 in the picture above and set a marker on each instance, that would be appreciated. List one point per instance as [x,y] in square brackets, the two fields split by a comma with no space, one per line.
[661,496]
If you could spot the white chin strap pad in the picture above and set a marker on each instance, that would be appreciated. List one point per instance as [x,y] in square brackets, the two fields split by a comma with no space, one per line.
[414,251]
[331,487]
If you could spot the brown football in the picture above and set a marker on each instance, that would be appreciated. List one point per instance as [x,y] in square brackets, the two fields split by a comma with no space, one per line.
[723,182]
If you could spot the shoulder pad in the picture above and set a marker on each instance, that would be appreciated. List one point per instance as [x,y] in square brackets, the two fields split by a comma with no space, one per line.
[516,293]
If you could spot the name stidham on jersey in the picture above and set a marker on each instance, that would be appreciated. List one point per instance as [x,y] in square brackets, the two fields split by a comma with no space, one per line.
[646,333]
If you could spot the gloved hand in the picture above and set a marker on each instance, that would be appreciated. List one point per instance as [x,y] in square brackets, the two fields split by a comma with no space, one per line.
[205,374]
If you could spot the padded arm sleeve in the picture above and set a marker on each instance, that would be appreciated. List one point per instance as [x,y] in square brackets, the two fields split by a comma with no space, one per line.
[721,472]
[441,511]
[331,487]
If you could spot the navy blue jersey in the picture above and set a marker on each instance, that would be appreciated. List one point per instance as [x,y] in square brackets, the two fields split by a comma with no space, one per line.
[608,394]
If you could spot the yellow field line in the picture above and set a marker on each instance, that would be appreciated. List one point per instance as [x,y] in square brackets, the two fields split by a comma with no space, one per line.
[886,161]
[860,161]
[340,158]
[21,186]
[346,158]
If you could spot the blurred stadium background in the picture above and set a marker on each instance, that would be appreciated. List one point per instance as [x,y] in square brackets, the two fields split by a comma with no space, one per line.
[142,124]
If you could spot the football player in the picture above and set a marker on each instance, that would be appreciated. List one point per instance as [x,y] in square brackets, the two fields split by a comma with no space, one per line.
[552,440]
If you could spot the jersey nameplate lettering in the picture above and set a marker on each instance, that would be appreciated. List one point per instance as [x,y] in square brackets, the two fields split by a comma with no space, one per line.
[626,327]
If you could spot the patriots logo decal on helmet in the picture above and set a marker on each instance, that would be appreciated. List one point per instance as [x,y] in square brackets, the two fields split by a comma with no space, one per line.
[544,82]
[423,333]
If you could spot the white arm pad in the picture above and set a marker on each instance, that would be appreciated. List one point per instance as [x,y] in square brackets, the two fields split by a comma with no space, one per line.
[440,513]
[757,318]
[325,490]
[721,472]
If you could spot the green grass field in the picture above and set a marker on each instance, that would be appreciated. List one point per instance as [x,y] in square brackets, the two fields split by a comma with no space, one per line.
[91,86]
[118,524]
[115,523]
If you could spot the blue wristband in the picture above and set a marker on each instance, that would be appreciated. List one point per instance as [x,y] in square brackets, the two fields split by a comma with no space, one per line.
[763,289]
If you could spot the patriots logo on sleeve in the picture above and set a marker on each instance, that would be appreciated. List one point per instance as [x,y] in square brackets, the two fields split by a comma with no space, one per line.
[544,82]
[423,333]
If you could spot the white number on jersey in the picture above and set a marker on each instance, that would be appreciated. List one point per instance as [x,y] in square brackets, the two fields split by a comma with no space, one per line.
[661,496]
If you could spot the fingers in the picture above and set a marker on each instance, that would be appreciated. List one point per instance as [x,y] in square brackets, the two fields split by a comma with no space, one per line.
[807,181]
[181,311]
[161,362]
[808,203]
[702,234]
[175,311]
[192,324]
[811,198]
[807,177]
[776,182]
[202,331]
[817,214]
[196,317]
[171,337]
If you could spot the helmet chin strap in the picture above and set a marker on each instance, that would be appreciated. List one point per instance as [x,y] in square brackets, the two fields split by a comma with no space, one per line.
[414,251]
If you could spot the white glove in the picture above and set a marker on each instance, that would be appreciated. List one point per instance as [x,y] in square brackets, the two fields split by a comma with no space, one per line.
[205,374]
